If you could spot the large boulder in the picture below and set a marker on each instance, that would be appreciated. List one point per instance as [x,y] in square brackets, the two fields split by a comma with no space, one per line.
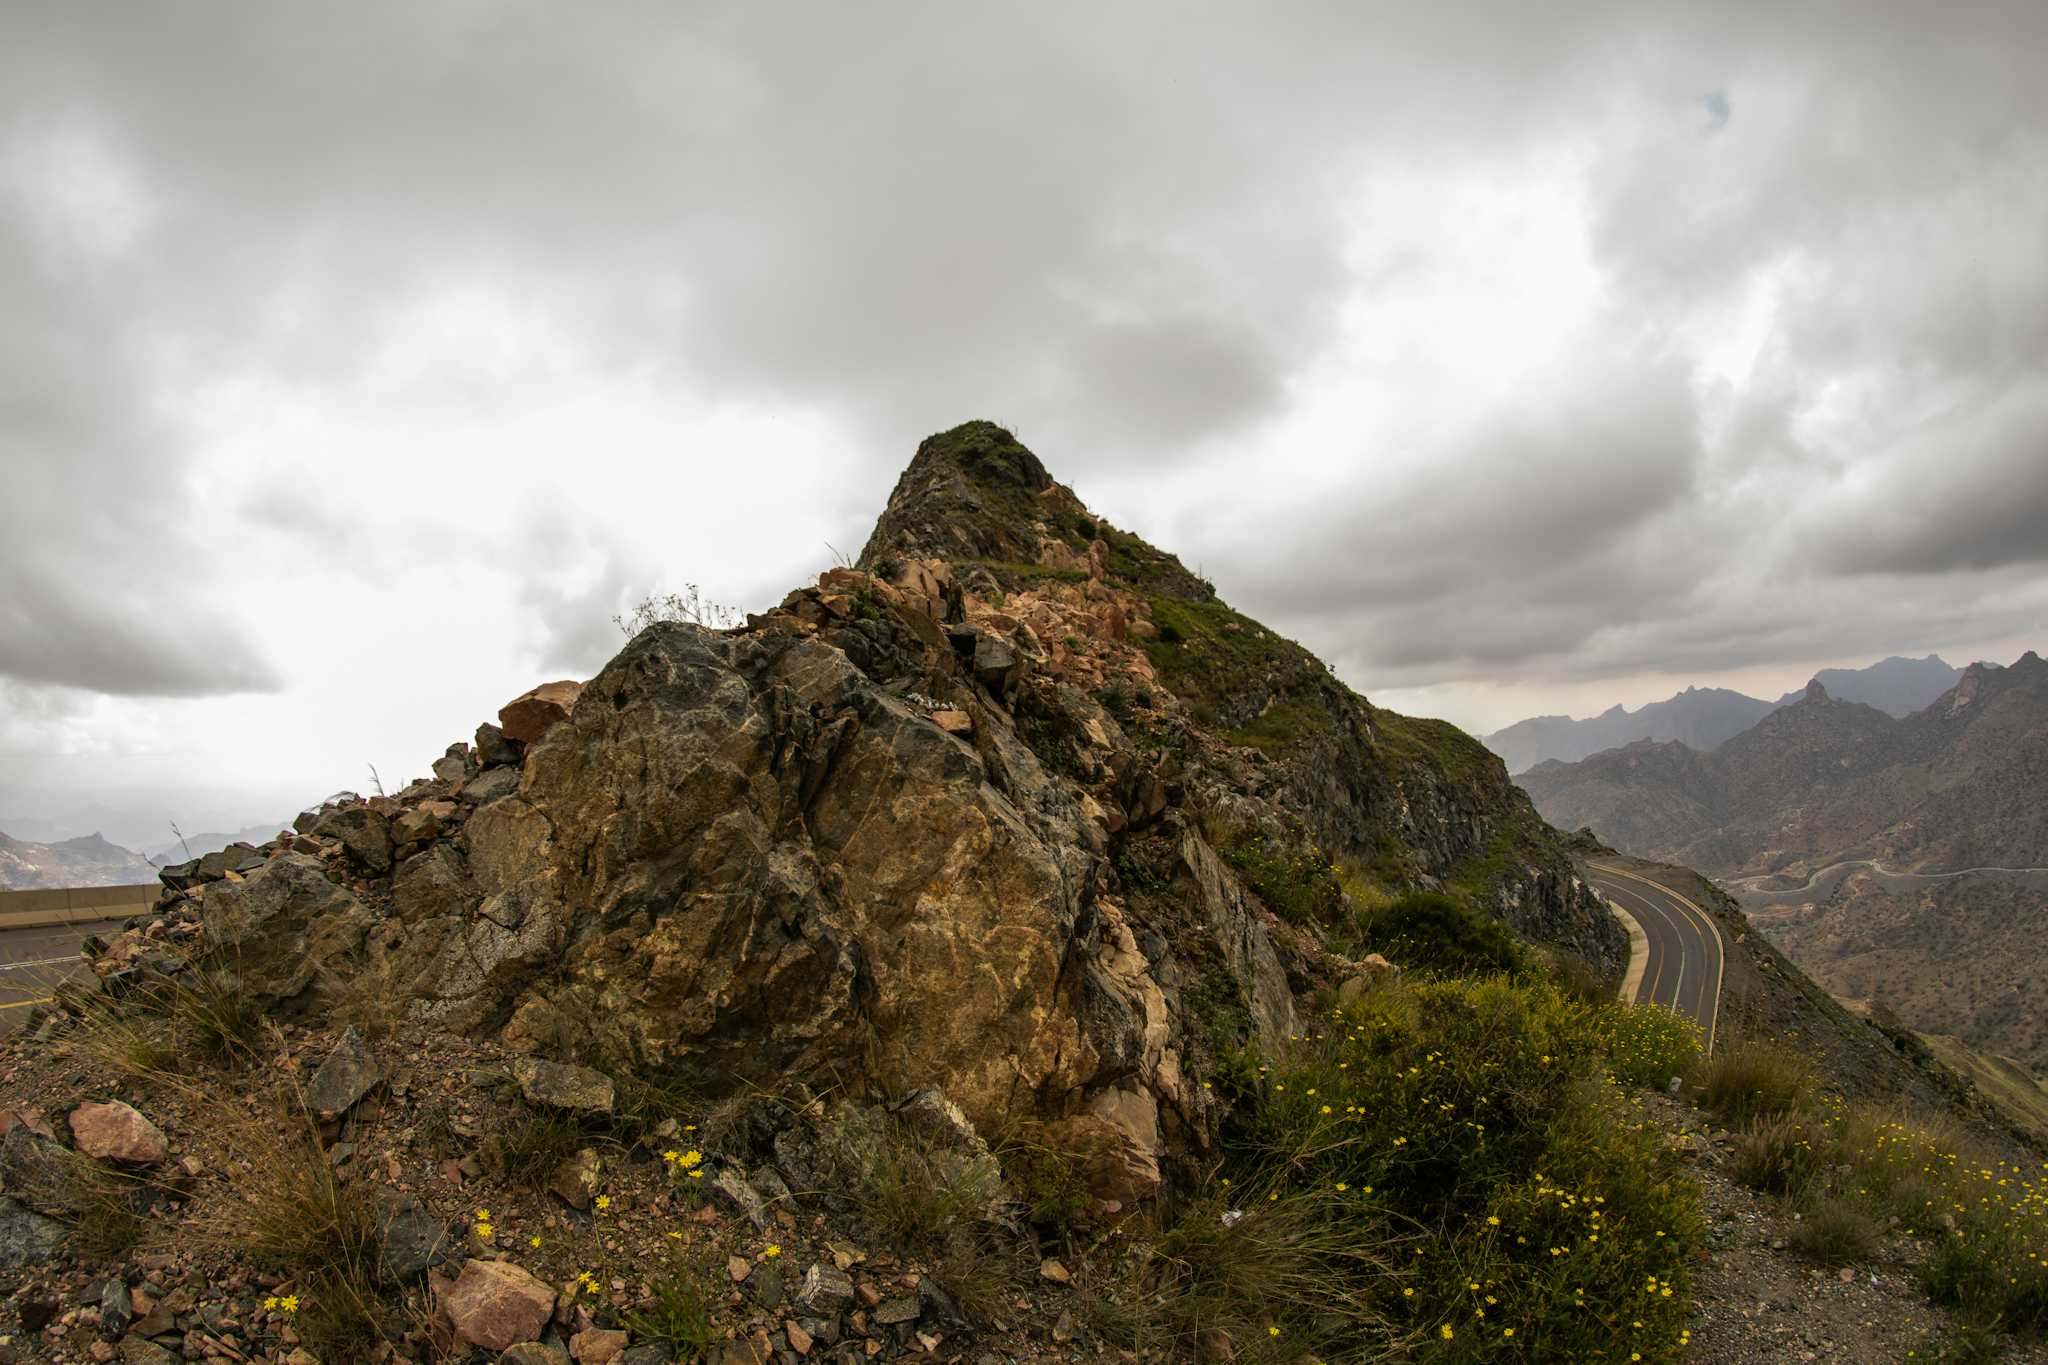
[287,928]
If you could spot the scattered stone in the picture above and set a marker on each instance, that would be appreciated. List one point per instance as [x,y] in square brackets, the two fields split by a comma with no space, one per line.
[597,1346]
[532,714]
[495,1304]
[495,783]
[799,1339]
[112,1131]
[408,1241]
[454,765]
[647,1353]
[1052,1270]
[345,1077]
[117,1308]
[729,1188]
[142,1351]
[892,1311]
[737,1267]
[826,1291]
[26,1237]
[563,1085]
[575,1180]
[764,1286]
[362,831]
[495,749]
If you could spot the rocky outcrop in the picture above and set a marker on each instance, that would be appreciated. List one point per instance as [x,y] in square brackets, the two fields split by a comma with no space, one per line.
[957,820]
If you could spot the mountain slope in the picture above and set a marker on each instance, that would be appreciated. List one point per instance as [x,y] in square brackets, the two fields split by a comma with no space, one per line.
[87,861]
[1704,718]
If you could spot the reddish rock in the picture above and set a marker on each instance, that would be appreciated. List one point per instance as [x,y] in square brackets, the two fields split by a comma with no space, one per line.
[954,722]
[596,1346]
[114,1132]
[495,1304]
[532,714]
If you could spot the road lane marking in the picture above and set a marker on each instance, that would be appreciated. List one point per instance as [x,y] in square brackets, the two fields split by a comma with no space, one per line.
[24,1004]
[1721,957]
[39,962]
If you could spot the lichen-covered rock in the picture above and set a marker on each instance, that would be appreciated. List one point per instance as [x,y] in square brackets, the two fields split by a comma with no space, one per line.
[287,927]
[345,1076]
[559,1085]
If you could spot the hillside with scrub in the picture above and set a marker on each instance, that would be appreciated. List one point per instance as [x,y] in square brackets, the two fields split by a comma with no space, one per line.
[1002,950]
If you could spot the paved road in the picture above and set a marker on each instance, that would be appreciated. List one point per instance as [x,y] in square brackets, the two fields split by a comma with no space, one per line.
[33,960]
[1684,963]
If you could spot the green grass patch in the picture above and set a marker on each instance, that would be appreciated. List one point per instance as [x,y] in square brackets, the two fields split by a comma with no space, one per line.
[1298,880]
[1433,932]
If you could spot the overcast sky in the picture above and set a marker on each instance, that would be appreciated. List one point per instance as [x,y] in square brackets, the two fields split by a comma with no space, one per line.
[358,362]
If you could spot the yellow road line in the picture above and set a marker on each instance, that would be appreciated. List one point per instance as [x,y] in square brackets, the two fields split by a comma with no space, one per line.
[24,1004]
[1720,962]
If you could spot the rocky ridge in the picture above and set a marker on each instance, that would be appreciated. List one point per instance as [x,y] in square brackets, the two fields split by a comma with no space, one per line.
[1014,815]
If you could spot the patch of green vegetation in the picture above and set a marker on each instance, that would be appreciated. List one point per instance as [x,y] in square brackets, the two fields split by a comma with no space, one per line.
[1281,729]
[1410,741]
[1297,880]
[1227,668]
[1433,932]
[1145,569]
[1445,1168]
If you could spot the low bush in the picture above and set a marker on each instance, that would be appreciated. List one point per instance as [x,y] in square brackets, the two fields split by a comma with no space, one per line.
[1757,1079]
[1836,1231]
[1647,1045]
[1297,880]
[1477,1118]
[1778,1154]
[1433,932]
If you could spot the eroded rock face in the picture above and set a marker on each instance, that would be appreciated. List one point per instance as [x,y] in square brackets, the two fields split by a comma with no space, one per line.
[752,862]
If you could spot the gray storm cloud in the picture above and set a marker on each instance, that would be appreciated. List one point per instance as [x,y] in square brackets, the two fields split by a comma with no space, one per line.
[1134,233]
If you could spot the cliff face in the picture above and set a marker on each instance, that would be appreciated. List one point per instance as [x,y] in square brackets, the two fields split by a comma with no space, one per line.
[1009,809]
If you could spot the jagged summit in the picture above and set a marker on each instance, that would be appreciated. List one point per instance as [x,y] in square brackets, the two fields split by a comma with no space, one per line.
[976,497]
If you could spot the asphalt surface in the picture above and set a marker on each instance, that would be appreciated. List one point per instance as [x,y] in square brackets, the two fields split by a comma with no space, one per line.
[1683,970]
[32,961]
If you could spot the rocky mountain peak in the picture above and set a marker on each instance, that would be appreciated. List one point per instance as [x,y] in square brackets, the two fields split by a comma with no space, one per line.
[1816,692]
[973,492]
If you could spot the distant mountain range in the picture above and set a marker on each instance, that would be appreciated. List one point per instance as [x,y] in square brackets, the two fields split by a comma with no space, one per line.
[1705,718]
[1959,783]
[1890,857]
[211,842]
[90,861]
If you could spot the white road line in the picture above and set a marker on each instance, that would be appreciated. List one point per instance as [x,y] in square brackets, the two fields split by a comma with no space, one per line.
[1697,917]
[39,962]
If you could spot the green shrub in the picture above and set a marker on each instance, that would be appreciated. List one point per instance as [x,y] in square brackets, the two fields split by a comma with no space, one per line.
[1776,1154]
[1836,1231]
[1647,1045]
[1759,1079]
[1433,932]
[1297,880]
[1552,1218]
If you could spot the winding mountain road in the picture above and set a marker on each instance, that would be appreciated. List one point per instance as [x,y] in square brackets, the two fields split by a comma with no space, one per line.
[1680,960]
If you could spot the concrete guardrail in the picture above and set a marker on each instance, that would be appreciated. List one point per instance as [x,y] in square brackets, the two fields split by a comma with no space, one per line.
[74,905]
